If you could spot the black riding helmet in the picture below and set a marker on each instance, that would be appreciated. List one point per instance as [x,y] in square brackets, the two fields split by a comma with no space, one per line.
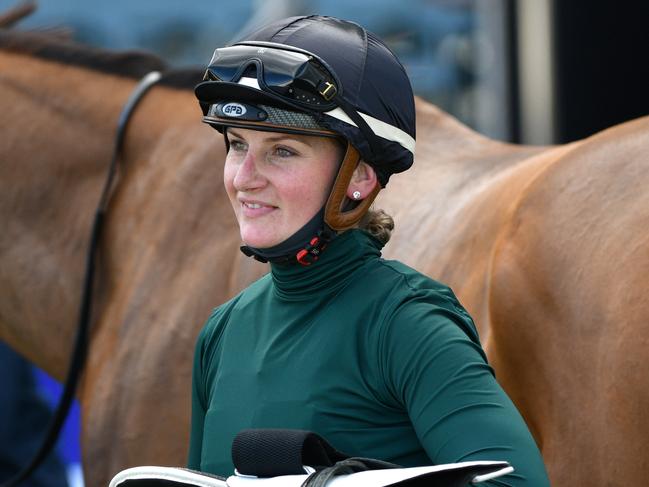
[323,76]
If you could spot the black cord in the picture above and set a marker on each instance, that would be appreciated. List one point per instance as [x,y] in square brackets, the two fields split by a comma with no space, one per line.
[81,340]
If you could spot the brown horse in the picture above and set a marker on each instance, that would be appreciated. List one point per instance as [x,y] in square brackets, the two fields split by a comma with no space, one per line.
[545,246]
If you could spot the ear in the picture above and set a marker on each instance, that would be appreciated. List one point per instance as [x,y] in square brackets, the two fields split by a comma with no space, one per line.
[363,181]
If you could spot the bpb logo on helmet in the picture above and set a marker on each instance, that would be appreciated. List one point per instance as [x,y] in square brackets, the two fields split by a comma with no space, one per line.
[234,109]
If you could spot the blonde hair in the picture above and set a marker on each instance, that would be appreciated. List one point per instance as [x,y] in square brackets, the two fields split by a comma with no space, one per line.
[378,224]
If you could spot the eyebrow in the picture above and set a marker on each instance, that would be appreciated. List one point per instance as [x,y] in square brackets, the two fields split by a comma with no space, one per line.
[279,136]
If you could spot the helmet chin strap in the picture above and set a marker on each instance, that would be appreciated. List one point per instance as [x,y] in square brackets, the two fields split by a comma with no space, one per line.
[336,217]
[310,239]
[306,245]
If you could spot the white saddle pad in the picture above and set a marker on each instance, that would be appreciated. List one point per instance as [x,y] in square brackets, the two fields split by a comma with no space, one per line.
[151,476]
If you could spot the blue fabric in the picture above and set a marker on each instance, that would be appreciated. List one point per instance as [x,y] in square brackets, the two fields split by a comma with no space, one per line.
[24,418]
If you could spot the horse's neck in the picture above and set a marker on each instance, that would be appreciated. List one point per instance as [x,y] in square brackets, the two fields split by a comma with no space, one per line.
[55,151]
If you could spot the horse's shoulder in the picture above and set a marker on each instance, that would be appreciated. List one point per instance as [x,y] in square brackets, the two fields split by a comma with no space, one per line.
[578,220]
[586,181]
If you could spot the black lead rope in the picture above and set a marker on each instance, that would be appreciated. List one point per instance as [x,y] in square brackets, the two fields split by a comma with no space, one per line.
[81,340]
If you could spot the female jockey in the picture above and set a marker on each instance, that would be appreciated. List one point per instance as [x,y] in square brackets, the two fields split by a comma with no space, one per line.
[380,360]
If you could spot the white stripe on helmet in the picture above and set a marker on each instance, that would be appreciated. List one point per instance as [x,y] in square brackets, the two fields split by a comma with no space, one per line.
[379,127]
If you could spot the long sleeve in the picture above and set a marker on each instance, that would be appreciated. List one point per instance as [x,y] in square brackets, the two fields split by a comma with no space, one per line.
[438,371]
[205,368]
[198,407]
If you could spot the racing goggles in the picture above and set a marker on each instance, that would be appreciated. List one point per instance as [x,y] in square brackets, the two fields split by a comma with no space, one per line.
[294,75]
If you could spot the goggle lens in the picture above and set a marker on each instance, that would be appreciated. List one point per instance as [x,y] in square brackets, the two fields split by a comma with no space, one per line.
[295,76]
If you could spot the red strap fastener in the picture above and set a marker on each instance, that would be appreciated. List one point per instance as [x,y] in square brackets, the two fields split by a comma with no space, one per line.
[311,252]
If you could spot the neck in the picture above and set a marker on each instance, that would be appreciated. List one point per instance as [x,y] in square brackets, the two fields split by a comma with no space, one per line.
[324,277]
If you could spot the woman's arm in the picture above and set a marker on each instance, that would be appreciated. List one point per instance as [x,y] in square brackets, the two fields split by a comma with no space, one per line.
[198,408]
[203,373]
[438,371]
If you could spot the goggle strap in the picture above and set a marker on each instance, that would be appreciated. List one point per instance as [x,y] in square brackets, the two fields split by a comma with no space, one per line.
[334,216]
[327,90]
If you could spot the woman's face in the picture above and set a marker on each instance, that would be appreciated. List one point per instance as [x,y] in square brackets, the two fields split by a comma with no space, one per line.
[277,182]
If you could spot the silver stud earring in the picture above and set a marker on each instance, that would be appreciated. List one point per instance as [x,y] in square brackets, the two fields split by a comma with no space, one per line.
[356,195]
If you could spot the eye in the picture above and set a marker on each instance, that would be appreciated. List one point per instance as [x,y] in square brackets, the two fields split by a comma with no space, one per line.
[284,152]
[237,145]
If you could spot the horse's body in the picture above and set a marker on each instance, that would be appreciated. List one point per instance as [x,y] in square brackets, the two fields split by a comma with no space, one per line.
[545,246]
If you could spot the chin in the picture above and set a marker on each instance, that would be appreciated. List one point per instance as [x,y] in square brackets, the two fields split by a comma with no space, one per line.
[266,235]
[260,241]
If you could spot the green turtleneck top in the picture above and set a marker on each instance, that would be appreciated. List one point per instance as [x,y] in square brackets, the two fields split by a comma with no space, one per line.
[380,360]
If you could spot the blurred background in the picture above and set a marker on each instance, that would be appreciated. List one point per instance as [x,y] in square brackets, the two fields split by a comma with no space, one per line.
[523,71]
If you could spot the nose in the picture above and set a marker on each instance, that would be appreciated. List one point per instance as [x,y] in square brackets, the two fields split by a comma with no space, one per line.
[248,177]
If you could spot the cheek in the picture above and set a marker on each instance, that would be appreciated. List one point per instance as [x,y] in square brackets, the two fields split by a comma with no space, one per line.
[229,173]
[307,194]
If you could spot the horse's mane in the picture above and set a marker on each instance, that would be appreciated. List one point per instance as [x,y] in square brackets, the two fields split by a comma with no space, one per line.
[131,64]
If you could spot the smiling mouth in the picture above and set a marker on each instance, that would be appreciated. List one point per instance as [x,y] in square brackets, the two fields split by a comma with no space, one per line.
[256,206]
[253,209]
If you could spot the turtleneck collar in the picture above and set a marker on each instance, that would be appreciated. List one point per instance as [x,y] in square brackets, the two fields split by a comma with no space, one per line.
[342,257]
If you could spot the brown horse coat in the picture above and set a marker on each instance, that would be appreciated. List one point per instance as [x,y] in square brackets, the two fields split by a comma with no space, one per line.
[547,248]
